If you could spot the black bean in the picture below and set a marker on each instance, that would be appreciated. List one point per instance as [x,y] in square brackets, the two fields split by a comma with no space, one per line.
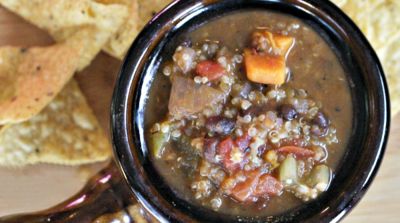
[259,87]
[320,124]
[318,131]
[321,120]
[244,92]
[288,112]
[220,125]
[210,149]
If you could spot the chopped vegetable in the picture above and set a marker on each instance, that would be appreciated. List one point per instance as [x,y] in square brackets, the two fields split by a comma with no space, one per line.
[264,68]
[320,177]
[297,151]
[187,98]
[266,64]
[288,170]
[255,185]
[243,191]
[210,69]
[283,43]
[233,158]
[268,185]
[225,146]
[267,41]
[272,157]
[157,143]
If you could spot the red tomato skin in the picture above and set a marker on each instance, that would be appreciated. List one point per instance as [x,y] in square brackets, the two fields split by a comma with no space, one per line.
[297,151]
[257,185]
[210,69]
[224,150]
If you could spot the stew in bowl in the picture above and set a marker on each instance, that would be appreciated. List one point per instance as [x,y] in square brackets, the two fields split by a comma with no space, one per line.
[250,111]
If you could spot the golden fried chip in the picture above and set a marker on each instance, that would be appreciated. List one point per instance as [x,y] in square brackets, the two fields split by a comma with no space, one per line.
[147,9]
[62,18]
[31,77]
[90,40]
[123,39]
[141,11]
[379,21]
[65,132]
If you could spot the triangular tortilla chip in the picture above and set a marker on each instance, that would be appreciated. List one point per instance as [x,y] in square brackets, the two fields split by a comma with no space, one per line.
[31,77]
[62,18]
[89,38]
[379,21]
[120,42]
[65,132]
[141,11]
[148,8]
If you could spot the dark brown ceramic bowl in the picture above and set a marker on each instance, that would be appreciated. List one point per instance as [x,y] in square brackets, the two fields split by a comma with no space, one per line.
[368,89]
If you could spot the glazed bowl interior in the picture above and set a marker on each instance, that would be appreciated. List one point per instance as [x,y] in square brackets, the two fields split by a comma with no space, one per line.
[364,75]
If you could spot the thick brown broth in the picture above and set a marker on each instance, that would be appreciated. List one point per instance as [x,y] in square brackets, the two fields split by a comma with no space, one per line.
[313,66]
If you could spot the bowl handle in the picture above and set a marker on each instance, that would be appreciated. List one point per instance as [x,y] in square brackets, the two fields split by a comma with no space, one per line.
[105,197]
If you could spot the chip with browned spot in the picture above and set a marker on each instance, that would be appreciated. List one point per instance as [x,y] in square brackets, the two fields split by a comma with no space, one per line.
[120,42]
[31,77]
[63,18]
[65,132]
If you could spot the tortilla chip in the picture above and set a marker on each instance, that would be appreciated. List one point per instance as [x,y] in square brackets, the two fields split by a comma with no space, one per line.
[62,18]
[65,132]
[148,8]
[89,38]
[119,44]
[379,21]
[31,77]
[141,11]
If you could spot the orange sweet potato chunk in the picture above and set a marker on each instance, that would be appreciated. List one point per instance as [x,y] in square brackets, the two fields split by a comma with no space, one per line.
[265,69]
[268,68]
[284,43]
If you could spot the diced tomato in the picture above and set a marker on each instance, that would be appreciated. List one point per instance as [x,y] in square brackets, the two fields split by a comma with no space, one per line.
[225,151]
[210,69]
[297,151]
[268,185]
[243,141]
[244,191]
[256,185]
[225,146]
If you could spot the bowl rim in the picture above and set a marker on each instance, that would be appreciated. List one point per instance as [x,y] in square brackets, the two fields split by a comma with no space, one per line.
[128,90]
